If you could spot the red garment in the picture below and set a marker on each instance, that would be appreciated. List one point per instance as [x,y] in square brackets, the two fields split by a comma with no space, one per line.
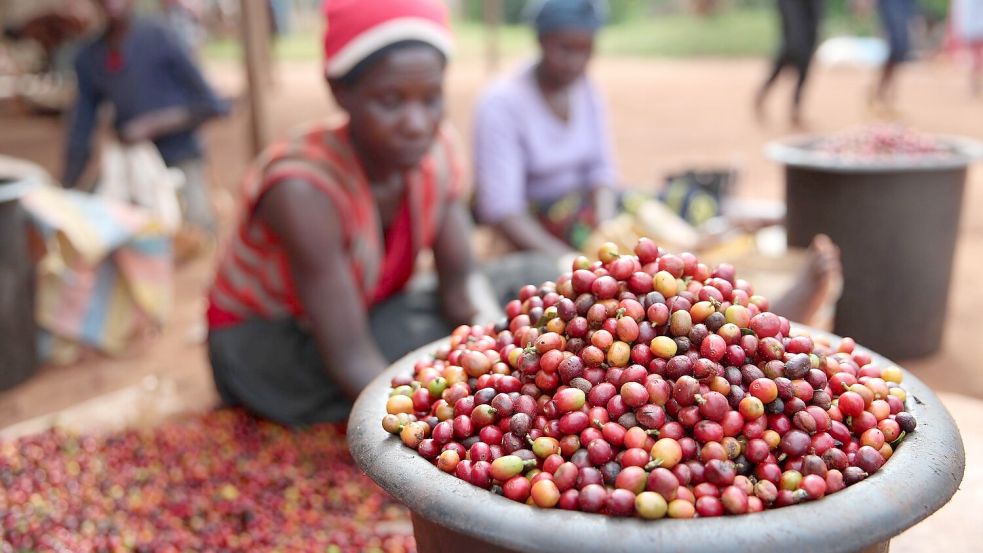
[354,29]
[397,266]
[254,277]
[114,61]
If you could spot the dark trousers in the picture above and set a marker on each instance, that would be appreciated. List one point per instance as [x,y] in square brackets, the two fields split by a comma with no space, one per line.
[800,32]
[274,369]
[896,18]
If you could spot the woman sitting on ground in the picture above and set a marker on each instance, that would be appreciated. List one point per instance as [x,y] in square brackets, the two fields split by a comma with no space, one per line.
[310,301]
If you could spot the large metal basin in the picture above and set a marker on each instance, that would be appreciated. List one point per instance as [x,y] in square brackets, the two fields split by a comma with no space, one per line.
[450,515]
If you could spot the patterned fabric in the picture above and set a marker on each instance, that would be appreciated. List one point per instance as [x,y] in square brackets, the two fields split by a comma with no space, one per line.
[572,218]
[254,278]
[105,275]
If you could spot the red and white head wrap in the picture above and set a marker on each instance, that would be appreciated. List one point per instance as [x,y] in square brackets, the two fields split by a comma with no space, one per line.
[355,29]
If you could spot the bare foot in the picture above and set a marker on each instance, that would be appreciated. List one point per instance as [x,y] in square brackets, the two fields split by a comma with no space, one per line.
[818,286]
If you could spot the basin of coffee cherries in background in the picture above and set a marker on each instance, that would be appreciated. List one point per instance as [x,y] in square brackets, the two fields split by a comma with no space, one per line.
[649,385]
[880,143]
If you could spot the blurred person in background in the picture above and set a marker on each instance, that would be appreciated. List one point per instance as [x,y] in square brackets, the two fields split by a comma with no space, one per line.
[314,294]
[800,21]
[967,27]
[144,71]
[185,18]
[543,156]
[544,166]
[896,18]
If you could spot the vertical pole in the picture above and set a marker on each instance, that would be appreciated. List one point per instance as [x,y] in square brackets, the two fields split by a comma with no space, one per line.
[255,41]
[492,14]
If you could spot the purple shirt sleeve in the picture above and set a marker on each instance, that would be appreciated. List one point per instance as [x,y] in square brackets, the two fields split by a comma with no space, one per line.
[498,158]
[602,171]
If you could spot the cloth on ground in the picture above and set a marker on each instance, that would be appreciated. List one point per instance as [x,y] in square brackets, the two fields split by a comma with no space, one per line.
[105,273]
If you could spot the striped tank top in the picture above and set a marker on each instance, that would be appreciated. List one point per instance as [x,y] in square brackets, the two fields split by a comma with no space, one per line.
[254,279]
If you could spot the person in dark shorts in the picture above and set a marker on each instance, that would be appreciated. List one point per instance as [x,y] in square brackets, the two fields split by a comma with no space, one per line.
[800,21]
[895,17]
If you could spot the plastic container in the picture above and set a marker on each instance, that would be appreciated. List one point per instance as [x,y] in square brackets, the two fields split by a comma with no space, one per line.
[896,222]
[18,332]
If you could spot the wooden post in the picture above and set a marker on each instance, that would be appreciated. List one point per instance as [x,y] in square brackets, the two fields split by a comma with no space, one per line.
[492,14]
[255,40]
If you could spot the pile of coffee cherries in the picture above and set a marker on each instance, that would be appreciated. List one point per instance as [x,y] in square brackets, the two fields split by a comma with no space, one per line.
[880,142]
[221,481]
[649,385]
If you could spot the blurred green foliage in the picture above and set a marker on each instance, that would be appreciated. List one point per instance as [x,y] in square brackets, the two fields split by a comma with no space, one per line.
[618,10]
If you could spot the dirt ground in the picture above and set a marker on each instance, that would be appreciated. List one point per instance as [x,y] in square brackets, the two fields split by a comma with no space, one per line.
[666,115]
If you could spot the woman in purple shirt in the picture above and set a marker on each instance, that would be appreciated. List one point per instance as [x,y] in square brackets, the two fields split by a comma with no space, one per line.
[544,167]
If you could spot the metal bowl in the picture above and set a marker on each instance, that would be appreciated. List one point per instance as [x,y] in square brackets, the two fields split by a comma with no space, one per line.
[452,515]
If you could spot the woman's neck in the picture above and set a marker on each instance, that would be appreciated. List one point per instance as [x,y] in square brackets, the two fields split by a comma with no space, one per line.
[555,95]
[378,173]
[547,86]
[385,182]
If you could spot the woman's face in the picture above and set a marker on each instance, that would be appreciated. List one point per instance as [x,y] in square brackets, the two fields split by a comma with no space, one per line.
[396,106]
[565,54]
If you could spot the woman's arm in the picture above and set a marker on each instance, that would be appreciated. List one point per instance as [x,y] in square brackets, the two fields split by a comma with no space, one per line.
[308,225]
[466,296]
[154,124]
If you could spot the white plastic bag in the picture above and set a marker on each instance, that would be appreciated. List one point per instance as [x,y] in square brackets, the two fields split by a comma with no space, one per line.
[136,174]
[850,51]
